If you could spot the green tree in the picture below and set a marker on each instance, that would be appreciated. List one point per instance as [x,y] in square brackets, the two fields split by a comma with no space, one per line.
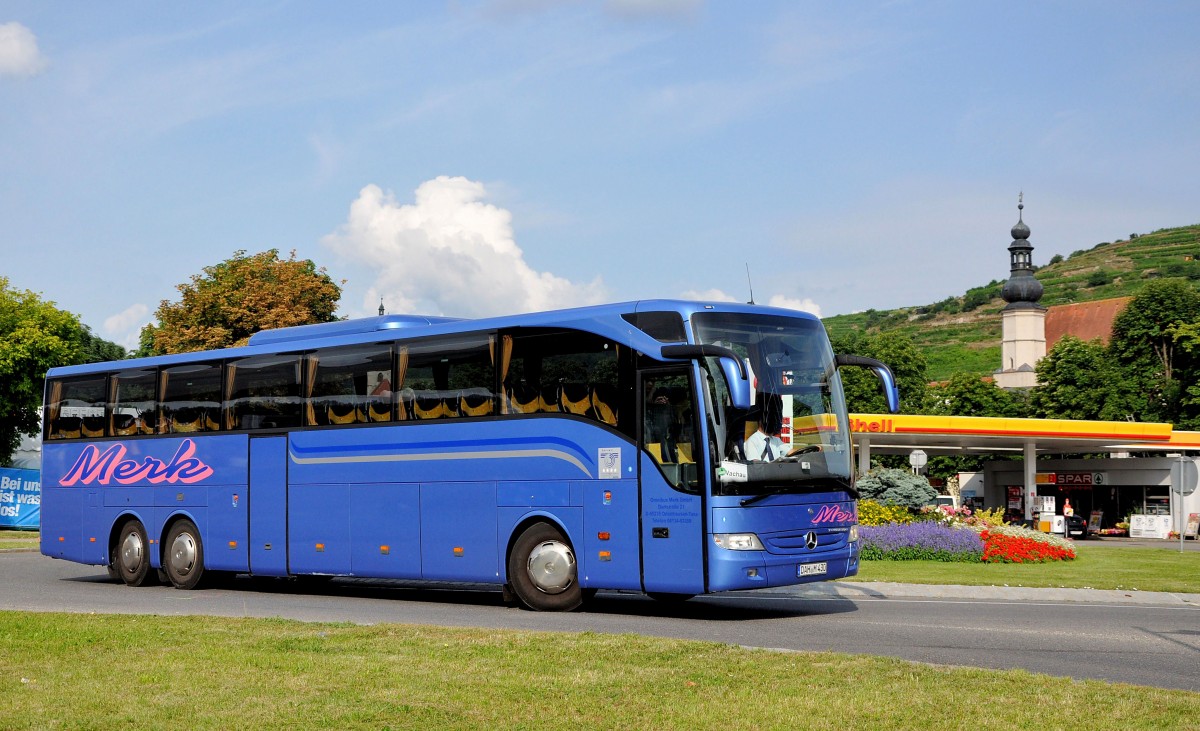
[1144,345]
[242,295]
[34,337]
[96,349]
[1187,338]
[889,486]
[897,350]
[966,394]
[1075,381]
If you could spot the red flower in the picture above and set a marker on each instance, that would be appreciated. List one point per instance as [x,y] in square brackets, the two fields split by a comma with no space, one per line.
[1003,548]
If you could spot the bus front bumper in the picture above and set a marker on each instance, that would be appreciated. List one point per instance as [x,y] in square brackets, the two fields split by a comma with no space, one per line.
[739,570]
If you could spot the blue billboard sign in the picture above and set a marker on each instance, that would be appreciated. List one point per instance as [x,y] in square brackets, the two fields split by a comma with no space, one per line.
[20,498]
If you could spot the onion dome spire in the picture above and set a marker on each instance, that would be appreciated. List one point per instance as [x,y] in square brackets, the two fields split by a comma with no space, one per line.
[1021,290]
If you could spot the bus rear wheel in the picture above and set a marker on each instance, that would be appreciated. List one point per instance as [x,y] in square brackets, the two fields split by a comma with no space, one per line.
[543,572]
[130,558]
[184,558]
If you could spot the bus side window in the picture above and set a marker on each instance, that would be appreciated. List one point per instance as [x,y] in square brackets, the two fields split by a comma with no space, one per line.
[133,406]
[562,371]
[450,378]
[75,408]
[191,398]
[264,392]
[351,385]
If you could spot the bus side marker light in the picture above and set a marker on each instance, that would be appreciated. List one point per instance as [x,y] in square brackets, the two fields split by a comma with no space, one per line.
[320,548]
[385,550]
[606,555]
[92,540]
[603,535]
[179,496]
[61,539]
[458,552]
[608,497]
[233,544]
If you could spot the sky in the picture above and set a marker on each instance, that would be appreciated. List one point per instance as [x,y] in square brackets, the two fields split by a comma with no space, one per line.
[482,158]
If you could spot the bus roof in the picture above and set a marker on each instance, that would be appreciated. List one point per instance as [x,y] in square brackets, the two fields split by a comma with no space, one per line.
[604,320]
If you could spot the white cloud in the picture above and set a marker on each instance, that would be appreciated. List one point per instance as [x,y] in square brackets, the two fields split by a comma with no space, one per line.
[777,300]
[19,54]
[125,327]
[448,253]
[708,295]
[791,303]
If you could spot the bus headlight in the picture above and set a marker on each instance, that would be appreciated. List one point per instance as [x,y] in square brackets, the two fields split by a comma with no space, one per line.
[853,533]
[738,541]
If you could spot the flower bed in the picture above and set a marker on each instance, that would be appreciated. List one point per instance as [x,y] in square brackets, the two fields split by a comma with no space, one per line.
[1014,544]
[919,541]
[934,541]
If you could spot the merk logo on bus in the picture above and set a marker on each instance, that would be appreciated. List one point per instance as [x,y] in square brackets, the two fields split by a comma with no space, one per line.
[103,468]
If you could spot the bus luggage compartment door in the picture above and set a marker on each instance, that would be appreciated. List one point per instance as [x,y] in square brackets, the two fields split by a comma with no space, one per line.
[268,506]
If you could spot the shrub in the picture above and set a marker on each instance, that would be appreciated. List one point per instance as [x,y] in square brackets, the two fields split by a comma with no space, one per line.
[919,541]
[873,513]
[995,516]
[896,487]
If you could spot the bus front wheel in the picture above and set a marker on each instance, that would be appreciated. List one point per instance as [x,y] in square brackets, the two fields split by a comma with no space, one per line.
[130,557]
[543,572]
[184,558]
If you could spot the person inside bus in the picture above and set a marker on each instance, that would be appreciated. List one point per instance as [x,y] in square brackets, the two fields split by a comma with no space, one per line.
[764,445]
[660,421]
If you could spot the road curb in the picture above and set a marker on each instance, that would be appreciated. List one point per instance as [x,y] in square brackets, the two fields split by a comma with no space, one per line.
[866,590]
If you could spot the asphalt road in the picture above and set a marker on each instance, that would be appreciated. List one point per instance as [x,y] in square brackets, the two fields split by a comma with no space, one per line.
[1142,638]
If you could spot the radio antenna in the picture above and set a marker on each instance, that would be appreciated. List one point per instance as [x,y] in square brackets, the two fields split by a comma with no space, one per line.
[749,283]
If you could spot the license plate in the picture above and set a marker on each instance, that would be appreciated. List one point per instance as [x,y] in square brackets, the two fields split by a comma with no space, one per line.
[812,569]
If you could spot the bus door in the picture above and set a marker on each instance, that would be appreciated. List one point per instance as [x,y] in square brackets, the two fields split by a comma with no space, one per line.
[672,525]
[268,506]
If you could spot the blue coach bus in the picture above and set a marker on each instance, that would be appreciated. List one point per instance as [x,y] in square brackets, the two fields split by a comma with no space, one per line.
[553,453]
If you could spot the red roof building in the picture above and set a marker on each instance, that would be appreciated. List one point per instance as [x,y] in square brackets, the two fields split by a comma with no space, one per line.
[1084,320]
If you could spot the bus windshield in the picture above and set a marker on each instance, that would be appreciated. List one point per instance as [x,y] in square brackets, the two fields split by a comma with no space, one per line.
[794,437]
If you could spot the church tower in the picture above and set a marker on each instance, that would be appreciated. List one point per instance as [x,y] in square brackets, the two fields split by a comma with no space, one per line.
[1023,320]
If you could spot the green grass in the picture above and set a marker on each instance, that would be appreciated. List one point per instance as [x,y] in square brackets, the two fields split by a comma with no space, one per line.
[1097,567]
[111,671]
[18,539]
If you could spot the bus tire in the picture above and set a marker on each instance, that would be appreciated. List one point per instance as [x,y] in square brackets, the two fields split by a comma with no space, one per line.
[543,572]
[114,568]
[183,556]
[131,555]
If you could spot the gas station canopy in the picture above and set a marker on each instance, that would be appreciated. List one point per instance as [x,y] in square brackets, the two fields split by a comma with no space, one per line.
[951,435]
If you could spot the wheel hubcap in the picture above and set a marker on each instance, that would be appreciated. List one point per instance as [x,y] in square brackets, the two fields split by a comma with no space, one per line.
[132,551]
[183,554]
[552,567]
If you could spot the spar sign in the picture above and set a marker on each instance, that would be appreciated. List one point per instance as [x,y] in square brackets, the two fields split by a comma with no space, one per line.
[1071,479]
[20,498]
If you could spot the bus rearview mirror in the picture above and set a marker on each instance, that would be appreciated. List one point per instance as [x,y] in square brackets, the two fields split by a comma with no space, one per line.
[886,378]
[737,380]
